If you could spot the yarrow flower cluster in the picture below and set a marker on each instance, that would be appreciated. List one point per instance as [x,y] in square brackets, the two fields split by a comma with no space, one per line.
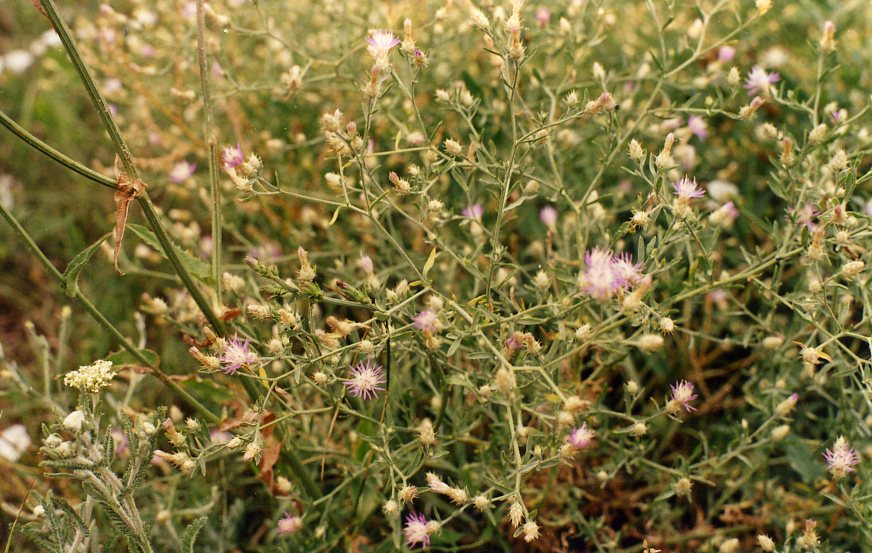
[90,378]
[365,380]
[605,273]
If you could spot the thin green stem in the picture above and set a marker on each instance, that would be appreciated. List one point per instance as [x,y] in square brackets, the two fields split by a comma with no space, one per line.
[64,160]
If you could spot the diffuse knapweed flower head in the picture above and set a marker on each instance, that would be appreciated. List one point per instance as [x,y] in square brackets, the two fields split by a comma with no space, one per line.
[581,437]
[606,273]
[288,524]
[417,530]
[237,354]
[379,45]
[759,81]
[842,458]
[599,278]
[232,157]
[682,394]
[365,380]
[90,378]
[427,321]
[687,189]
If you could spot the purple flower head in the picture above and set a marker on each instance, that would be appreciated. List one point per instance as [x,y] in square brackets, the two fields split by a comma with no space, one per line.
[543,17]
[475,211]
[627,273]
[697,126]
[232,157]
[869,208]
[548,216]
[119,438]
[366,264]
[236,355]
[515,341]
[426,321]
[842,458]
[683,394]
[182,171]
[687,189]
[379,45]
[726,54]
[759,80]
[288,524]
[220,437]
[365,380]
[599,279]
[805,216]
[725,215]
[416,530]
[382,40]
[581,437]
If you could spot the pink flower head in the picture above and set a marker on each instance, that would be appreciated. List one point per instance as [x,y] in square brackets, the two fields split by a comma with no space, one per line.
[182,171]
[548,215]
[236,355]
[543,17]
[687,189]
[869,208]
[805,215]
[628,273]
[220,437]
[379,45]
[232,157]
[366,264]
[683,394]
[726,54]
[475,211]
[759,80]
[288,524]
[697,126]
[599,278]
[426,321]
[416,530]
[581,437]
[119,438]
[725,215]
[515,341]
[365,380]
[842,458]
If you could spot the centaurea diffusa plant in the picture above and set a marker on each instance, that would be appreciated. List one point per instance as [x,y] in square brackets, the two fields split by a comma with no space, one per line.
[512,275]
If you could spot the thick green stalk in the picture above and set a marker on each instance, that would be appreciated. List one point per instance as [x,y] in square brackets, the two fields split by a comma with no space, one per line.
[213,151]
[104,322]
[127,161]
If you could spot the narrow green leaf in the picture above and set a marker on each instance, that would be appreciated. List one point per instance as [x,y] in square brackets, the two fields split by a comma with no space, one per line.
[197,267]
[71,275]
[430,261]
[124,358]
[189,536]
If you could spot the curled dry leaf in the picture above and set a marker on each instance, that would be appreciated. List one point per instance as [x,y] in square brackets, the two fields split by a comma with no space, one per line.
[128,190]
